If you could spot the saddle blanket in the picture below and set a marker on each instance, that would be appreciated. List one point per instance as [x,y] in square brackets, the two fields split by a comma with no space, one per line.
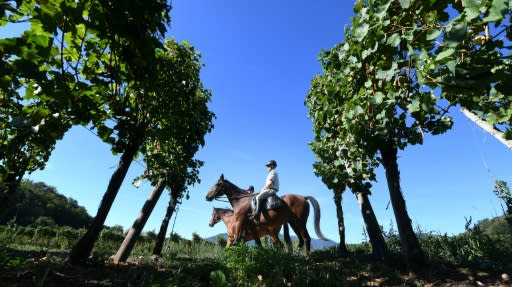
[272,202]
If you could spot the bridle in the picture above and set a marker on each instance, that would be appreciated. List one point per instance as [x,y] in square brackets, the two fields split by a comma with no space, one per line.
[215,219]
[218,215]
[217,197]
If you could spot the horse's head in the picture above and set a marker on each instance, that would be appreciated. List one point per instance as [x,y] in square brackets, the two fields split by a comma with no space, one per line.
[217,190]
[216,217]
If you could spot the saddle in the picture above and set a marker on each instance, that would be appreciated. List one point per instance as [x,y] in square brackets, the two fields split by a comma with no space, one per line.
[270,203]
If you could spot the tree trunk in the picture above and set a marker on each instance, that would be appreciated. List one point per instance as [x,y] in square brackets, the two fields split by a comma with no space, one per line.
[133,234]
[83,248]
[379,246]
[11,183]
[163,227]
[342,247]
[410,246]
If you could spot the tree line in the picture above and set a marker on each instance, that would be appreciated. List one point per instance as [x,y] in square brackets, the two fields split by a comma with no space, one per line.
[40,204]
[402,68]
[104,65]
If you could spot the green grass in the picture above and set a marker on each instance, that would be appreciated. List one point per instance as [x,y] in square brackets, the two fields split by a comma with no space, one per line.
[200,263]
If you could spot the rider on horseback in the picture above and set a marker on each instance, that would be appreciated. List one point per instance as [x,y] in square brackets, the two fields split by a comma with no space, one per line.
[270,188]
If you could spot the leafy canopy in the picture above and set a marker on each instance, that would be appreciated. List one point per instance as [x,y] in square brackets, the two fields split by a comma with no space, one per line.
[65,68]
[402,66]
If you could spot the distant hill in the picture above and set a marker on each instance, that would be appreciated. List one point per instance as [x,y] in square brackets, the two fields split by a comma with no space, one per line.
[38,203]
[315,243]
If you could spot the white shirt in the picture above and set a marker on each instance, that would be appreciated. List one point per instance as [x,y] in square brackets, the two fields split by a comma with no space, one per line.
[272,176]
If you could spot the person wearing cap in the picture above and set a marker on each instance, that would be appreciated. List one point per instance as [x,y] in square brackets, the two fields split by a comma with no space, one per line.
[270,188]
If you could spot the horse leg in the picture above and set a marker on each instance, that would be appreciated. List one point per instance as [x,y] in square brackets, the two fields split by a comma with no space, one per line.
[237,232]
[276,241]
[303,234]
[255,234]
[229,241]
[307,239]
[295,228]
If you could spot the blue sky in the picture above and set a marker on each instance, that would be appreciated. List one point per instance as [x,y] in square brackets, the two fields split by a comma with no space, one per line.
[260,57]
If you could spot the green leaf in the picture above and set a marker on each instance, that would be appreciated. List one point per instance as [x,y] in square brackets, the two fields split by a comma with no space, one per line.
[456,33]
[472,9]
[40,40]
[381,11]
[496,11]
[362,31]
[492,118]
[445,53]
[394,40]
[369,51]
[387,74]
[338,163]
[508,134]
[359,110]
[451,66]
[414,106]
[378,98]
[432,34]
[405,3]
[104,132]
[408,34]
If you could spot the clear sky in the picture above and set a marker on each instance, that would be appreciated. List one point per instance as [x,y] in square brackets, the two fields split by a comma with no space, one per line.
[260,57]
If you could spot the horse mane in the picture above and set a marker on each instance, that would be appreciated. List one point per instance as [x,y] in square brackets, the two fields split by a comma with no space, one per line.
[223,210]
[238,188]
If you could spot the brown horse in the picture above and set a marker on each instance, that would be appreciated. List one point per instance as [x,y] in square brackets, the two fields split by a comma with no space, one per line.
[295,212]
[227,216]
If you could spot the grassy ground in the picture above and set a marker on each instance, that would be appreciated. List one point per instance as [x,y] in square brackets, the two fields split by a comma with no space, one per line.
[29,257]
[241,266]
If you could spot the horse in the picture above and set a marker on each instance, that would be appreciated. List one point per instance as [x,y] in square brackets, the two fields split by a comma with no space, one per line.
[227,216]
[295,212]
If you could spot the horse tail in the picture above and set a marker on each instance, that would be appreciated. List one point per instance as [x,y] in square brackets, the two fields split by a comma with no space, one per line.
[316,208]
[287,238]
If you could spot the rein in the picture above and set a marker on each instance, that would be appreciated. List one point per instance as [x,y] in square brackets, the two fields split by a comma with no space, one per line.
[233,197]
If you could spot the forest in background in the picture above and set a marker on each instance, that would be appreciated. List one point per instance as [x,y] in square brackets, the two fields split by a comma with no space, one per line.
[39,204]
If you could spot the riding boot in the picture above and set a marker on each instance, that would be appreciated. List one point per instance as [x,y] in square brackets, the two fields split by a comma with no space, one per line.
[256,214]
